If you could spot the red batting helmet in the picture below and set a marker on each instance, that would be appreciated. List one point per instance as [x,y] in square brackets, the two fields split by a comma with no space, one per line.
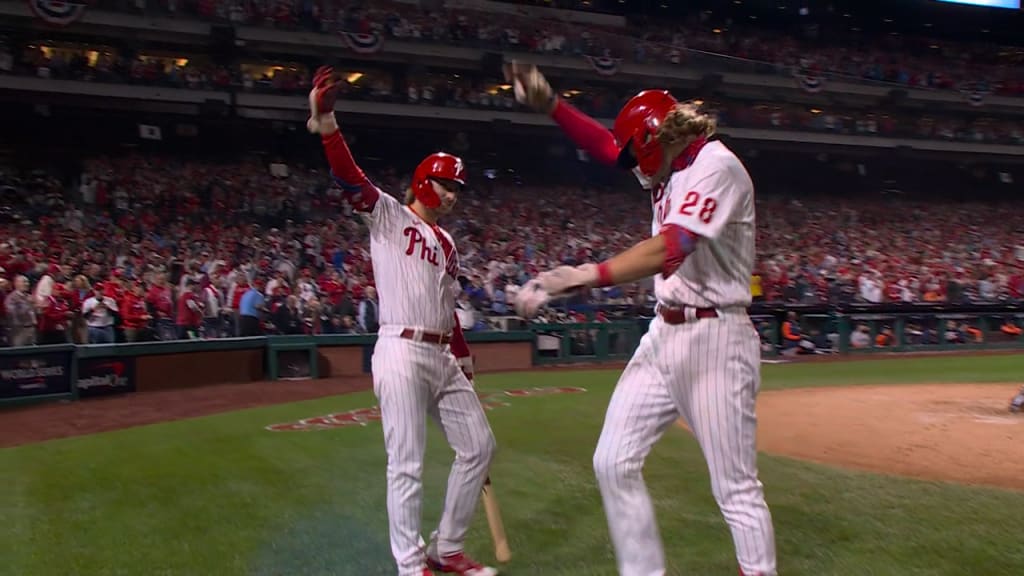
[438,166]
[637,123]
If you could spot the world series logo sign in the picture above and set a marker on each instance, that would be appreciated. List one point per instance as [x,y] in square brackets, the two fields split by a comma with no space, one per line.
[33,374]
[364,416]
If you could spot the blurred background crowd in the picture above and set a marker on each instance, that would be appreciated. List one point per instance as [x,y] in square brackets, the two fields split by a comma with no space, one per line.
[190,239]
[231,228]
[701,37]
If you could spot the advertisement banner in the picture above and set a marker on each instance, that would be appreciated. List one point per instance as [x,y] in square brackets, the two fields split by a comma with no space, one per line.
[105,376]
[35,374]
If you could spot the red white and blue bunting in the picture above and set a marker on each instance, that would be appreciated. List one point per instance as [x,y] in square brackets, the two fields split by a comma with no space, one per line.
[604,65]
[363,43]
[975,93]
[810,82]
[57,12]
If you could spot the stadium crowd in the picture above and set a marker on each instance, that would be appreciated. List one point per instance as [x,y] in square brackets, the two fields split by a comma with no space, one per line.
[696,42]
[440,90]
[245,248]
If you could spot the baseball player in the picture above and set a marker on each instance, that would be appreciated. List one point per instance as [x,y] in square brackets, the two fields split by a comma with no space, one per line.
[700,359]
[421,363]
[1017,402]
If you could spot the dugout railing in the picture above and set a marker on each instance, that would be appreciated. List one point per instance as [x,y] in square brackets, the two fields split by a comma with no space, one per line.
[888,328]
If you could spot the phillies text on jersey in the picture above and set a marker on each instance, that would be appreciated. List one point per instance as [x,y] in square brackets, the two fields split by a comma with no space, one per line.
[415,267]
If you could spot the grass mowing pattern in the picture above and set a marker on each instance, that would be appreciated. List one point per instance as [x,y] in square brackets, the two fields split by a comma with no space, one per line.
[220,496]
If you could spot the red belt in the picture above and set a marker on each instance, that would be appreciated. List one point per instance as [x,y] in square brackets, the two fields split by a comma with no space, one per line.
[429,337]
[678,315]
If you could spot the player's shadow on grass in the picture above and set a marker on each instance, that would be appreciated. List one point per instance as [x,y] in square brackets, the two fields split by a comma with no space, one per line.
[326,542]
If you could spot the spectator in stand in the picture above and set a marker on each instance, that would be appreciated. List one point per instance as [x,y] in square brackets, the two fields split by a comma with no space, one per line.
[160,299]
[343,307]
[210,298]
[189,319]
[369,319]
[499,302]
[1015,283]
[99,312]
[288,318]
[305,287]
[315,317]
[332,287]
[20,313]
[112,287]
[135,316]
[250,309]
[77,295]
[236,290]
[54,319]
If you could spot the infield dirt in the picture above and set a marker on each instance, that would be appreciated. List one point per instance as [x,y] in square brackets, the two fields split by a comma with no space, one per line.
[950,432]
[961,433]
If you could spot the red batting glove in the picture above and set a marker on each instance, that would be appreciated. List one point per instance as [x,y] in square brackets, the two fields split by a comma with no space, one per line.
[321,101]
[325,83]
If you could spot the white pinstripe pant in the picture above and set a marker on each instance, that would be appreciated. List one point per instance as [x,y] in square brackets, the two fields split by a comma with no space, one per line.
[706,371]
[413,379]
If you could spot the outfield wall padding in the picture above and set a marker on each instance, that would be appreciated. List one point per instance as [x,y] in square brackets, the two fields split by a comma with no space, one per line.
[502,356]
[342,361]
[197,369]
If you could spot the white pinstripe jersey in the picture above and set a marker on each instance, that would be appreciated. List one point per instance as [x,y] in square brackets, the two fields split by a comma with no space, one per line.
[415,267]
[713,198]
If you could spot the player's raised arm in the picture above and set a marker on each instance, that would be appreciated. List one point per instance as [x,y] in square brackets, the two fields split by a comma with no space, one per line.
[691,215]
[533,89]
[664,254]
[360,192]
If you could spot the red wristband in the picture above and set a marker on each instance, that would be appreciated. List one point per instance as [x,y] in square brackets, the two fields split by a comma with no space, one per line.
[604,275]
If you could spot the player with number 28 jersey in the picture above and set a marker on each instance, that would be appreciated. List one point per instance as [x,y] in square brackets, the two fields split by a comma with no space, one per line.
[699,361]
[714,199]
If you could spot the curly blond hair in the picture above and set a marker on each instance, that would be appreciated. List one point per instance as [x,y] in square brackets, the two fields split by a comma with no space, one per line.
[685,122]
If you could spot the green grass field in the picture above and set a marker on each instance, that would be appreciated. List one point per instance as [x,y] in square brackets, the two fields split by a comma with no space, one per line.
[222,496]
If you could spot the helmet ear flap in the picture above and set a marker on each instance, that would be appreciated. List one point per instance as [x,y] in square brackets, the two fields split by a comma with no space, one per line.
[627,158]
[422,188]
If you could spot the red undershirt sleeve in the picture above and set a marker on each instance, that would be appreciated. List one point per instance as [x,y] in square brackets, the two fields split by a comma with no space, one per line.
[586,133]
[358,190]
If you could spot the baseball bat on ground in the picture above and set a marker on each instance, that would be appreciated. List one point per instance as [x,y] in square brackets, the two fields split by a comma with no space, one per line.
[501,551]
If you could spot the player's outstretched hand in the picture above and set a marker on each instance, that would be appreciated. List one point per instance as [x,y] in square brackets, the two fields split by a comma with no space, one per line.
[561,281]
[568,278]
[530,87]
[321,101]
[531,298]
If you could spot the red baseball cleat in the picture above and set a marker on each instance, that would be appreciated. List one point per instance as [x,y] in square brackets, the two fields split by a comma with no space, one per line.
[460,564]
[427,572]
